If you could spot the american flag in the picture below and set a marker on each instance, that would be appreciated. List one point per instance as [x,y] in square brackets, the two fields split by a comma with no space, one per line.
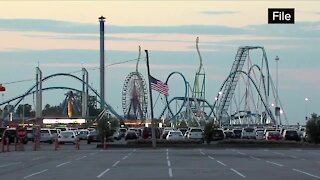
[159,86]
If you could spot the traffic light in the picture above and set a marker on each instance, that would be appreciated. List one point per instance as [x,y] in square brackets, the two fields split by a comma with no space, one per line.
[2,88]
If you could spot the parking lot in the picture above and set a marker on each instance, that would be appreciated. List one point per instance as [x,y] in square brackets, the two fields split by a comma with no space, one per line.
[162,163]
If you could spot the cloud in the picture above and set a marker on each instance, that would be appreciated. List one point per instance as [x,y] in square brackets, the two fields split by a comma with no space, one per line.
[218,12]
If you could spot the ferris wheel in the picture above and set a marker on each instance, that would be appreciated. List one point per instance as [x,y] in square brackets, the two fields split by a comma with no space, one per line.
[134,95]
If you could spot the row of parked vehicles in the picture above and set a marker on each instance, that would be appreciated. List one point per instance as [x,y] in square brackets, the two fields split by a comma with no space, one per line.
[46,135]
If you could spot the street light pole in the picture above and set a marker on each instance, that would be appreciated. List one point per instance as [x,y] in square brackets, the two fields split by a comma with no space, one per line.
[306,106]
[277,91]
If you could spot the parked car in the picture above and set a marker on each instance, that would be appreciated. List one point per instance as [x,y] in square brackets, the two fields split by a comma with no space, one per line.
[83,134]
[248,133]
[1,132]
[131,135]
[273,135]
[147,132]
[174,135]
[93,137]
[165,133]
[195,133]
[67,137]
[217,134]
[54,133]
[46,136]
[237,133]
[291,134]
[11,134]
[30,134]
[228,134]
[260,134]
[183,130]
[122,132]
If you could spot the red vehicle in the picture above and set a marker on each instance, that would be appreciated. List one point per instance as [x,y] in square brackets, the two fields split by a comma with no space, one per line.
[273,135]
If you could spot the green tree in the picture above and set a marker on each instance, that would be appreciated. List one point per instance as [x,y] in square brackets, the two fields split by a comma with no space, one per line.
[313,128]
[208,130]
[107,126]
[24,110]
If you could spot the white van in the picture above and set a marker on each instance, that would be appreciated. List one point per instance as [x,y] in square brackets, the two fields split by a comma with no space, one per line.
[248,133]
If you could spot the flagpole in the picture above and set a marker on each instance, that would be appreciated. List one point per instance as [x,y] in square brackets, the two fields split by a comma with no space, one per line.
[153,136]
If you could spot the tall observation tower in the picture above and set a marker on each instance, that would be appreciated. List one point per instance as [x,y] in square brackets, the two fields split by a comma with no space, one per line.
[101,20]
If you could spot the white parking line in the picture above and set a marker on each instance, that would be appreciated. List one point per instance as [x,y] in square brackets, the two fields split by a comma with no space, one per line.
[241,153]
[26,177]
[170,173]
[211,157]
[9,164]
[255,158]
[282,154]
[237,172]
[202,153]
[294,157]
[221,163]
[37,158]
[280,165]
[81,157]
[116,163]
[101,174]
[125,157]
[297,170]
[63,163]
[169,163]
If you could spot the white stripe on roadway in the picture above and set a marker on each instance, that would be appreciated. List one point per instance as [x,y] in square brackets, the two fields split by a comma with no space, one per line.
[9,164]
[63,164]
[241,153]
[211,157]
[169,163]
[202,153]
[280,165]
[37,158]
[170,173]
[101,174]
[26,177]
[237,172]
[115,163]
[294,157]
[306,173]
[125,157]
[254,158]
[221,163]
[282,154]
[81,157]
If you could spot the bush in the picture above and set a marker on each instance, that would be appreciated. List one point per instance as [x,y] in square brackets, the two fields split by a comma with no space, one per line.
[313,129]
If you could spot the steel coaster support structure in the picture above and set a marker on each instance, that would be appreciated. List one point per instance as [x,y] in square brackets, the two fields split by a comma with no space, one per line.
[38,107]
[19,98]
[186,100]
[231,82]
[261,86]
[199,87]
[267,109]
[85,91]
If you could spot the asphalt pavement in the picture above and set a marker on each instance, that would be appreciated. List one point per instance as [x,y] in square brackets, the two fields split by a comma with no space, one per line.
[145,163]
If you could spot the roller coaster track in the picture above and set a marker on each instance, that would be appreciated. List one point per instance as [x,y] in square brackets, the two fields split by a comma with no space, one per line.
[20,98]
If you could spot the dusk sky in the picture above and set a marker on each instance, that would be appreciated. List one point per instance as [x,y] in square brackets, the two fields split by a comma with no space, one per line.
[64,36]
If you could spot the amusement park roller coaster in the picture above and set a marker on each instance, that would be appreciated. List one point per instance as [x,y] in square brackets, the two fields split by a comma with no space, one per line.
[245,97]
